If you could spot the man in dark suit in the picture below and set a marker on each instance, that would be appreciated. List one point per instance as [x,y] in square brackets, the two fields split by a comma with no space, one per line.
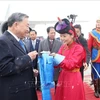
[83,42]
[33,44]
[16,74]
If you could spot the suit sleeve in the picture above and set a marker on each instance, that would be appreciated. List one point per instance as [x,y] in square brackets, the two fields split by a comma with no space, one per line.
[9,64]
[73,61]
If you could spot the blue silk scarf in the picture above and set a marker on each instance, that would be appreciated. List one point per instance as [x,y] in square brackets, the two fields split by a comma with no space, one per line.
[46,69]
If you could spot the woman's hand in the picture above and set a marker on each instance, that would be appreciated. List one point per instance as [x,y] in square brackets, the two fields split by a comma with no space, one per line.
[52,54]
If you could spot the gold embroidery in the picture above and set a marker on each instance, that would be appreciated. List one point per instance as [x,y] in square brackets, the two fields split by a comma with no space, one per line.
[97,56]
[95,37]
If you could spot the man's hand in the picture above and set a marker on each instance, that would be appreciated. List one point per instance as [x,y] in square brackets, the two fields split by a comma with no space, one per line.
[35,72]
[32,54]
[85,66]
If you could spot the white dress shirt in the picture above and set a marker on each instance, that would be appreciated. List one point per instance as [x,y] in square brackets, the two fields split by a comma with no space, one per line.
[34,43]
[14,35]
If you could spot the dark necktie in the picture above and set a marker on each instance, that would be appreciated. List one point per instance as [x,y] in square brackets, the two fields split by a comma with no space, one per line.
[51,45]
[22,45]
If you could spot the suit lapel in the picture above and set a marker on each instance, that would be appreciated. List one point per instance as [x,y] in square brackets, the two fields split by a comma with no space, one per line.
[14,41]
[19,47]
[31,46]
[36,45]
[47,44]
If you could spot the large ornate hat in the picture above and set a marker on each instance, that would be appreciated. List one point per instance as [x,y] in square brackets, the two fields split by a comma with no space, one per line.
[64,26]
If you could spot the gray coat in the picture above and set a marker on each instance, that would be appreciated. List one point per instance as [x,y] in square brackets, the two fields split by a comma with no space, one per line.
[44,46]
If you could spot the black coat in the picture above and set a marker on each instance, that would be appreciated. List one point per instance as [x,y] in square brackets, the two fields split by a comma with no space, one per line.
[16,75]
[83,42]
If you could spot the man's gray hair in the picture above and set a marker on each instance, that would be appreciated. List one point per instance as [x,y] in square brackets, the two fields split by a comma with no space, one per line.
[16,17]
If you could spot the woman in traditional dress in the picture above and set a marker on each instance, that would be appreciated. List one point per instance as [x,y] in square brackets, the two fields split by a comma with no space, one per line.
[71,57]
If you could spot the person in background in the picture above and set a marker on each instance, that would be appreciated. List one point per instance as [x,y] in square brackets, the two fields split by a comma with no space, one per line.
[94,47]
[92,81]
[16,74]
[51,44]
[28,35]
[70,57]
[83,42]
[32,44]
